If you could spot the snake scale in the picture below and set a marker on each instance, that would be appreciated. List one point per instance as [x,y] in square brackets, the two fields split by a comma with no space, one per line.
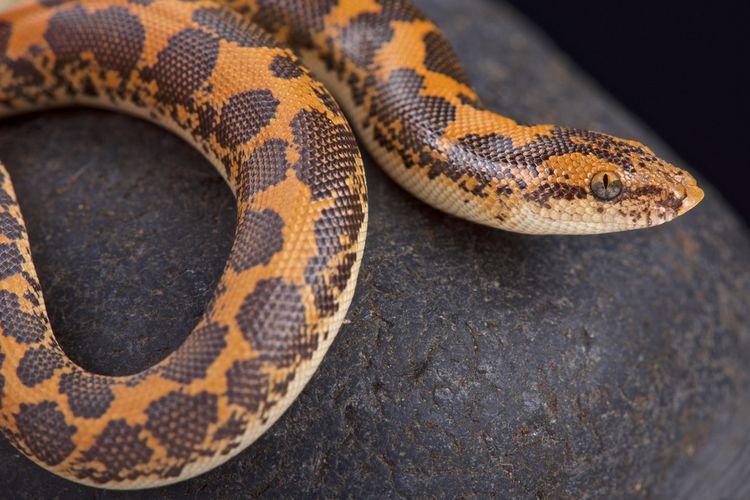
[223,77]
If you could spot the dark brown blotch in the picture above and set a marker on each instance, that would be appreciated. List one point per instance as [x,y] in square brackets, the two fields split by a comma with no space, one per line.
[440,57]
[285,67]
[38,364]
[328,153]
[327,99]
[259,238]
[365,34]
[114,35]
[399,10]
[207,116]
[247,385]
[44,432]
[9,226]
[302,23]
[23,327]
[272,319]
[6,199]
[244,115]
[491,156]
[120,447]
[11,260]
[89,396]
[183,66]
[180,422]
[425,117]
[231,27]
[266,167]
[192,360]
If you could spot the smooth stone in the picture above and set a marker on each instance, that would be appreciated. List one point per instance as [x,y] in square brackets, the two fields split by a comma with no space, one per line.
[473,363]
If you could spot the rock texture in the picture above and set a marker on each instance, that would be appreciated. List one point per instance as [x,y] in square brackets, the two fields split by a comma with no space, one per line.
[474,363]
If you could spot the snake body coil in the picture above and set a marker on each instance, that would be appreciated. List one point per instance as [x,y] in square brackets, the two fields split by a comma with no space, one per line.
[234,91]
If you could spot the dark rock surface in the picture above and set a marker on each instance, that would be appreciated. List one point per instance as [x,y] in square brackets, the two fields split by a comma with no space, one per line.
[475,362]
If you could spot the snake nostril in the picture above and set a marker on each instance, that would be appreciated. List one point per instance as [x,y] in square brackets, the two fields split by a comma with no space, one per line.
[680,191]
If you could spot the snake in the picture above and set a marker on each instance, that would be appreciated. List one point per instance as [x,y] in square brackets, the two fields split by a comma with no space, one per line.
[271,93]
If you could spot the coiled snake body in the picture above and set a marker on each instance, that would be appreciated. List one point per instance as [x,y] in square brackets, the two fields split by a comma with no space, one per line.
[207,72]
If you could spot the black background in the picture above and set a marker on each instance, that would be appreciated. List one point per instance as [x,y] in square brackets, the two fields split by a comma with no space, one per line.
[680,66]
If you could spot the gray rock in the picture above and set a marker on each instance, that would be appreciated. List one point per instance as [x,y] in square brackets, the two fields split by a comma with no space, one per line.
[474,363]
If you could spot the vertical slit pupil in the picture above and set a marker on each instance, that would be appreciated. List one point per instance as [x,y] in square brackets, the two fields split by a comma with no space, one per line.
[606,181]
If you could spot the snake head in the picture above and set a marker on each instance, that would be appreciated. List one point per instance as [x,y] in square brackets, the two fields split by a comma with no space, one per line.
[597,183]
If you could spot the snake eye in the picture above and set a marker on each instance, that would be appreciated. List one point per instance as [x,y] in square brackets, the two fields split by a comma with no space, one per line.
[606,185]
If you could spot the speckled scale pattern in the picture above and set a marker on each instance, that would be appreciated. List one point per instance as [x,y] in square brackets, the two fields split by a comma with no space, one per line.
[221,77]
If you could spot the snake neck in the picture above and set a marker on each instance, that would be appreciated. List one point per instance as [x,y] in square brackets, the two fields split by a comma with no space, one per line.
[406,95]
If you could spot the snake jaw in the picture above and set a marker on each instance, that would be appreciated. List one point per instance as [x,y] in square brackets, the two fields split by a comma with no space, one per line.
[681,195]
[693,197]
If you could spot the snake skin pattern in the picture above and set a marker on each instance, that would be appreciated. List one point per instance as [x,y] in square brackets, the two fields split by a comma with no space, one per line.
[222,77]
